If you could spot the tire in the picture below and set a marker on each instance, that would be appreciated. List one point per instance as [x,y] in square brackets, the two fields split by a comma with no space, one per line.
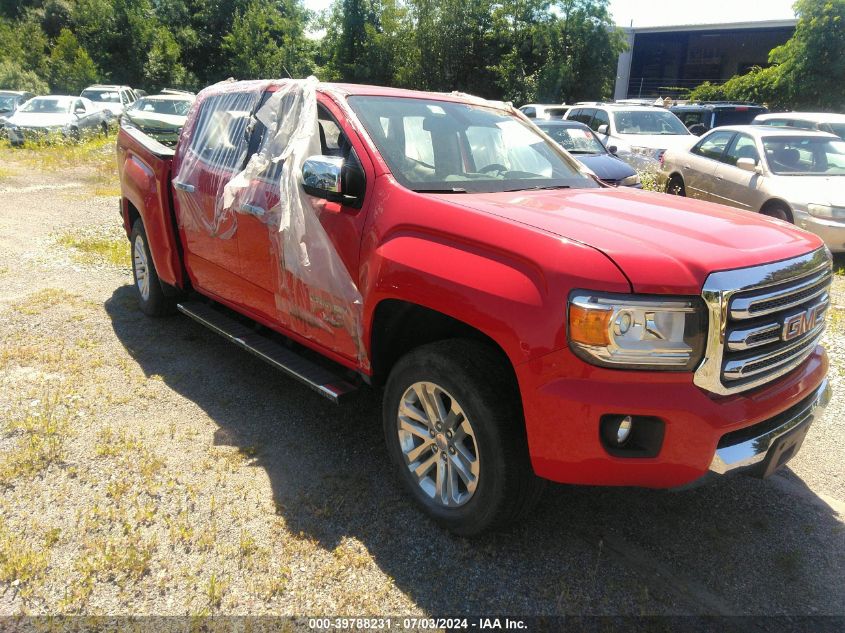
[675,186]
[74,134]
[778,211]
[470,377]
[104,128]
[151,297]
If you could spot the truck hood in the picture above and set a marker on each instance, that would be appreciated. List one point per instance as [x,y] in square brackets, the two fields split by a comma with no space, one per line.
[663,244]
[39,119]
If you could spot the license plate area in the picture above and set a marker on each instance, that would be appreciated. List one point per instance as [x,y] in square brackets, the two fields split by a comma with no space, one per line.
[783,449]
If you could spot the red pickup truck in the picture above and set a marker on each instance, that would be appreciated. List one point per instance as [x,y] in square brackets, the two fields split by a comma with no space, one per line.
[524,321]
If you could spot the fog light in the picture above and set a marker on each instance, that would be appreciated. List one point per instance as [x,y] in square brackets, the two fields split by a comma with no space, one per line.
[623,431]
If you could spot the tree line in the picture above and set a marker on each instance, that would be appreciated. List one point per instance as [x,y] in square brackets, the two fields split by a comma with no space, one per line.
[519,50]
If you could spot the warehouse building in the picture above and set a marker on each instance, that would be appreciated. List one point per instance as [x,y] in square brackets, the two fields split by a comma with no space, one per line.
[660,61]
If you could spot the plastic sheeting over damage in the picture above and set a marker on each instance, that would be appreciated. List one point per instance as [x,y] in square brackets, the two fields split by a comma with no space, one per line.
[314,292]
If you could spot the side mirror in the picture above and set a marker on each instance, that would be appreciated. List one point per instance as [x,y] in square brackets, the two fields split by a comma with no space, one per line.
[603,129]
[79,110]
[747,164]
[612,149]
[330,178]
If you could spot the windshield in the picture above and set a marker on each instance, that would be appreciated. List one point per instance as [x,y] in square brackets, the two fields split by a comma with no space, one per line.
[802,156]
[575,140]
[455,147]
[648,122]
[162,106]
[48,105]
[108,96]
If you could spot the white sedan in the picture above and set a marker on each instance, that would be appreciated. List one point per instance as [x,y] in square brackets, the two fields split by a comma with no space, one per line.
[794,175]
[67,116]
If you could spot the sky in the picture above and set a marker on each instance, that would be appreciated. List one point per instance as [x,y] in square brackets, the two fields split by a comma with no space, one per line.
[673,12]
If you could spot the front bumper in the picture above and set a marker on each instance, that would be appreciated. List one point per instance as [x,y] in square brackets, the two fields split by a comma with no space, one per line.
[762,448]
[564,399]
[831,231]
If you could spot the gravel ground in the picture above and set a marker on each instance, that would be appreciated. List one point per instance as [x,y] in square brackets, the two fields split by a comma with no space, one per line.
[149,467]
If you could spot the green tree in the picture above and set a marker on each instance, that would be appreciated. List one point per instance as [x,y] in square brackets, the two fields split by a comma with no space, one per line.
[267,40]
[163,67]
[811,71]
[13,77]
[71,67]
[583,49]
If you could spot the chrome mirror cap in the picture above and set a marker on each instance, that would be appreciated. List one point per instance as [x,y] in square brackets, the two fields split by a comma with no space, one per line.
[321,174]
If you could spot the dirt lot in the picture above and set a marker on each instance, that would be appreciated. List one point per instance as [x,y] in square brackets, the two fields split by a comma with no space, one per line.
[149,467]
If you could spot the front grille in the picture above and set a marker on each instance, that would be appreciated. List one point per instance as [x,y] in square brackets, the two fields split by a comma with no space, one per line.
[758,340]
[763,321]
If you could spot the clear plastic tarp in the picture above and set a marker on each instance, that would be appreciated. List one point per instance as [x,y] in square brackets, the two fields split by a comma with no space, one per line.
[276,125]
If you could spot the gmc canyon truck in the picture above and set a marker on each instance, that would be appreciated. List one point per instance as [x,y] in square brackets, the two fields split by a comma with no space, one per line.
[524,321]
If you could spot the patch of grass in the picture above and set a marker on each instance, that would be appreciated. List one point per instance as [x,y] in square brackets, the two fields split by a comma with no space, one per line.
[112,249]
[20,565]
[42,429]
[38,302]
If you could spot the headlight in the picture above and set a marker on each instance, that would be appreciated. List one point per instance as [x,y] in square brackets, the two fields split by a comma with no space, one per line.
[826,211]
[637,331]
[630,181]
[647,152]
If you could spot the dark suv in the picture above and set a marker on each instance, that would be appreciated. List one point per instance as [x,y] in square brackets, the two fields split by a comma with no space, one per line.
[703,116]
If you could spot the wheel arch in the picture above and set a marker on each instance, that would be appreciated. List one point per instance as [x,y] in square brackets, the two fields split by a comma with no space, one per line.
[399,326]
[778,202]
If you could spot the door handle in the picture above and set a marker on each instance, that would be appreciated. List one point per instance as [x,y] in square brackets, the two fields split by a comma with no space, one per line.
[183,186]
[253,209]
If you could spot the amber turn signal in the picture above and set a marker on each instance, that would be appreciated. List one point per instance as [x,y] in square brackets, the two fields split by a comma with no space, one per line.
[590,326]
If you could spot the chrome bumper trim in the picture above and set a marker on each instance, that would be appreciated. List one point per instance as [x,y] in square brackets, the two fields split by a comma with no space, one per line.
[752,450]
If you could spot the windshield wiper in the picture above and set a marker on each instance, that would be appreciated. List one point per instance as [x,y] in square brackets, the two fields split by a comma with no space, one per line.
[450,190]
[538,188]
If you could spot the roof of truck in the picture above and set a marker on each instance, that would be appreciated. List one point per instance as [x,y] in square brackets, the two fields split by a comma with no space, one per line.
[356,90]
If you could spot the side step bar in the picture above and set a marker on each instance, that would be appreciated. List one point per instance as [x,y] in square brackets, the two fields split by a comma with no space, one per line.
[320,379]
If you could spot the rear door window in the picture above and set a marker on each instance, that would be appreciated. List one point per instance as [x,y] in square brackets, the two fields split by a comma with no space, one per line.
[221,135]
[583,115]
[713,145]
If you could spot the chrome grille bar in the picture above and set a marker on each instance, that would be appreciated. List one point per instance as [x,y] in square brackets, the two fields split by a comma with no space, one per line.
[754,365]
[782,299]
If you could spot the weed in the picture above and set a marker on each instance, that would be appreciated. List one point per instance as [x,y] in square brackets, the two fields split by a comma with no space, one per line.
[112,249]
[214,591]
[20,565]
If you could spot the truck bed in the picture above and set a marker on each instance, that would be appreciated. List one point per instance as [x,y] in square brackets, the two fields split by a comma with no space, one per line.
[144,165]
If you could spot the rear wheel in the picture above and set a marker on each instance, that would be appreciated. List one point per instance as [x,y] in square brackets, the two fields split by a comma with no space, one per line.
[104,128]
[151,297]
[675,186]
[455,432]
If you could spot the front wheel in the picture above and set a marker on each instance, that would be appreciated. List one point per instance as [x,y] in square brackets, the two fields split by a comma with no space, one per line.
[454,430]
[151,297]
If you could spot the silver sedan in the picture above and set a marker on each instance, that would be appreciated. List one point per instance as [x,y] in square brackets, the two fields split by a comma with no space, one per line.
[794,175]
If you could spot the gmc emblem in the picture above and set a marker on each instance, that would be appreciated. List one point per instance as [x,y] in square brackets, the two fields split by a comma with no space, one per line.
[801,323]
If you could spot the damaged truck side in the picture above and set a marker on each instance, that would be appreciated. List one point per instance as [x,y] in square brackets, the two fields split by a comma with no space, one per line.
[524,322]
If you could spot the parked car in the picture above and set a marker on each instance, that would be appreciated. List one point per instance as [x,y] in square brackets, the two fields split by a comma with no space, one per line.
[640,134]
[10,101]
[702,116]
[793,175]
[524,321]
[159,116]
[111,99]
[544,110]
[822,121]
[580,141]
[67,116]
